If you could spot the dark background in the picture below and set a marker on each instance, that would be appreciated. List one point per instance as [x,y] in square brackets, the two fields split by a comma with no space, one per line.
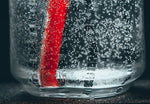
[5,75]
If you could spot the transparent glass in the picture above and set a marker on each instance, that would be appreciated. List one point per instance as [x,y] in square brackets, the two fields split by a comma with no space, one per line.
[76,48]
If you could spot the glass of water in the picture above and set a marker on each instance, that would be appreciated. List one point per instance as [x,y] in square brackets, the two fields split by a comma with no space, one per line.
[76,48]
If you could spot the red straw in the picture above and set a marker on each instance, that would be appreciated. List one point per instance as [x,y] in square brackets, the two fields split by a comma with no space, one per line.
[56,10]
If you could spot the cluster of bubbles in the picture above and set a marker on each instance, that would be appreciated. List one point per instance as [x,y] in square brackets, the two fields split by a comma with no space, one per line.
[102,33]
[98,34]
[28,31]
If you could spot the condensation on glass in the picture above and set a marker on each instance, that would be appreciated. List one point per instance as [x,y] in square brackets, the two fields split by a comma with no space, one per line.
[101,51]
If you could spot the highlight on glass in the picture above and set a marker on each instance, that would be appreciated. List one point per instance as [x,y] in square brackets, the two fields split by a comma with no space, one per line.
[76,48]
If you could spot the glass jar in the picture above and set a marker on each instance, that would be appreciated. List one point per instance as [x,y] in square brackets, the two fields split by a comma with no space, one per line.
[76,48]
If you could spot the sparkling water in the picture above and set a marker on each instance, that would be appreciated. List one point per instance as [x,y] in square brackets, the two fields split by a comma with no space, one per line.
[102,44]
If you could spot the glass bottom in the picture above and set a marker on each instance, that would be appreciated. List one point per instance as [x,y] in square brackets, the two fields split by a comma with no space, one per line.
[87,93]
